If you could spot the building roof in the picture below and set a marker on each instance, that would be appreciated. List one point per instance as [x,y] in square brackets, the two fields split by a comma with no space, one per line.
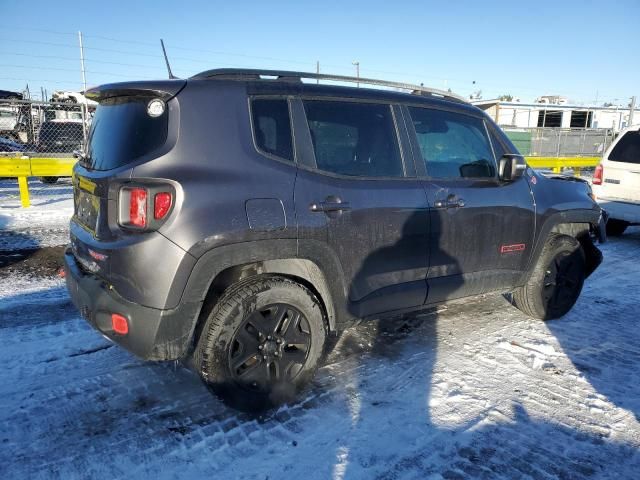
[545,106]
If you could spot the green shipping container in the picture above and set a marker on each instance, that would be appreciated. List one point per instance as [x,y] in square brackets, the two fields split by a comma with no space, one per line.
[522,141]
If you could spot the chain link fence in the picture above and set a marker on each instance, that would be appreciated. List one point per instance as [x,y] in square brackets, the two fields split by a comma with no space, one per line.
[50,129]
[561,142]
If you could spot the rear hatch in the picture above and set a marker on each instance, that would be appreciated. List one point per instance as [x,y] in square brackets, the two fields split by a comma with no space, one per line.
[127,128]
[621,171]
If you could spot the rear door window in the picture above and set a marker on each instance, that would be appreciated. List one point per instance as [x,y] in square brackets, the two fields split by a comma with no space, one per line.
[123,131]
[453,145]
[627,149]
[354,139]
[272,127]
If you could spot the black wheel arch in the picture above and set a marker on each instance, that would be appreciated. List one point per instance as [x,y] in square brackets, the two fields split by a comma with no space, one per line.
[582,224]
[314,266]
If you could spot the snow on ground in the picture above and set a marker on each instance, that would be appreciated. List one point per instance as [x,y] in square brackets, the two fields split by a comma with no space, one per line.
[45,223]
[471,390]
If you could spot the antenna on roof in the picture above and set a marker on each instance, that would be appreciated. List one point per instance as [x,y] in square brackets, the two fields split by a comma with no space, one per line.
[171,76]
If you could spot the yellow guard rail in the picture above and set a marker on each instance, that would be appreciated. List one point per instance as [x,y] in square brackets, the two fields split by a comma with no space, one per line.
[24,167]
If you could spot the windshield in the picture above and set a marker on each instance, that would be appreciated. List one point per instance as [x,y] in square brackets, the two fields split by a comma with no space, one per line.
[123,131]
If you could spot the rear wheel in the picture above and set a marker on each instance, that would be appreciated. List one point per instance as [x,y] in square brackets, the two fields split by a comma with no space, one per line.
[261,343]
[556,282]
[615,228]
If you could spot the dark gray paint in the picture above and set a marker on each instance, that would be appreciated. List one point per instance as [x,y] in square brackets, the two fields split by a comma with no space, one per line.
[392,250]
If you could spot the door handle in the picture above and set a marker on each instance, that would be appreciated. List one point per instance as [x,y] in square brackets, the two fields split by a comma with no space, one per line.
[329,206]
[450,202]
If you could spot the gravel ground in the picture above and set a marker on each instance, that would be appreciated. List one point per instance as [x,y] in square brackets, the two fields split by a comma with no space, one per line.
[471,390]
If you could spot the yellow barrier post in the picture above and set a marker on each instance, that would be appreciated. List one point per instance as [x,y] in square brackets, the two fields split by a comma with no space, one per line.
[24,191]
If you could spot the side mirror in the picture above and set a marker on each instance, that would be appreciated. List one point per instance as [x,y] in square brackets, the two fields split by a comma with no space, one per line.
[511,167]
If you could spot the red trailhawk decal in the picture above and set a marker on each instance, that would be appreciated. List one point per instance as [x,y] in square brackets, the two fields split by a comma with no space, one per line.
[518,247]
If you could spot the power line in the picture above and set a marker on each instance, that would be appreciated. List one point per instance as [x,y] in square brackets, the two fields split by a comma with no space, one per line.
[95,72]
[27,80]
[55,32]
[461,84]
[92,60]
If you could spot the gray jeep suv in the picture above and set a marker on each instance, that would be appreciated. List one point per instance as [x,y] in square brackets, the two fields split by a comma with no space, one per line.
[237,218]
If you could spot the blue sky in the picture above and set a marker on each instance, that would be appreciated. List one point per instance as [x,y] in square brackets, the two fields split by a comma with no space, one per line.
[584,50]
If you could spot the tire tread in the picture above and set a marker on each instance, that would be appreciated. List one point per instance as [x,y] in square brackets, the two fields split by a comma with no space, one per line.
[525,297]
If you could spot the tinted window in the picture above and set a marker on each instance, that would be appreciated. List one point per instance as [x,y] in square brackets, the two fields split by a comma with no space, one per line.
[453,145]
[627,149]
[354,138]
[122,131]
[272,128]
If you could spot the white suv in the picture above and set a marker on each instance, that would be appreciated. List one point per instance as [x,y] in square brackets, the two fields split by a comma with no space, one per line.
[616,181]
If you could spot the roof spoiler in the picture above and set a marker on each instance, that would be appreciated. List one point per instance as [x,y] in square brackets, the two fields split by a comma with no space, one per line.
[165,89]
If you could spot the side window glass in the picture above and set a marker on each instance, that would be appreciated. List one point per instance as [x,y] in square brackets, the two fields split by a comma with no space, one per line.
[354,139]
[453,145]
[272,128]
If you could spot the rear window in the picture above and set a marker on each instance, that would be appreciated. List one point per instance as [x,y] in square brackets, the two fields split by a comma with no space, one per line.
[354,139]
[122,131]
[627,149]
[272,128]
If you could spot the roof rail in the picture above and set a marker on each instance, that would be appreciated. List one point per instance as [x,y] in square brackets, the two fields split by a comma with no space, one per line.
[283,75]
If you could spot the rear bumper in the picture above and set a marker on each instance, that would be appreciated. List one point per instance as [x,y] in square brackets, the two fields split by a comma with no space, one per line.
[154,334]
[620,210]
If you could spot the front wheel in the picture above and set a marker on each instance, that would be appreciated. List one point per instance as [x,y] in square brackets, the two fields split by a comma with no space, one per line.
[261,343]
[556,281]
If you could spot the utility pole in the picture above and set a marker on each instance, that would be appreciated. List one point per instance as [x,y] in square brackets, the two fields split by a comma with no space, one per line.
[83,107]
[631,110]
[357,64]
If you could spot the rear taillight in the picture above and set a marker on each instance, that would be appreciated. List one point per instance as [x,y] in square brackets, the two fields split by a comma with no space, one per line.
[597,175]
[138,207]
[161,205]
[144,208]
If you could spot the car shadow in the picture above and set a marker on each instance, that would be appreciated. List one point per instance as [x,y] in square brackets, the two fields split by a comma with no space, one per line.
[593,337]
[11,245]
[502,441]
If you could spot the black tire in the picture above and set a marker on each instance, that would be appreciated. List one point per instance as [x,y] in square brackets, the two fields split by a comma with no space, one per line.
[49,180]
[615,227]
[556,281]
[247,342]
